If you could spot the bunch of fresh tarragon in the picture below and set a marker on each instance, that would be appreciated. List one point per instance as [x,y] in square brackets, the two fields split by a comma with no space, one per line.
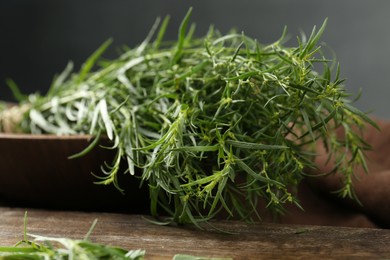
[212,125]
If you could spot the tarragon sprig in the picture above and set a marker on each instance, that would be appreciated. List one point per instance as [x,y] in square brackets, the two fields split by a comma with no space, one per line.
[48,248]
[213,125]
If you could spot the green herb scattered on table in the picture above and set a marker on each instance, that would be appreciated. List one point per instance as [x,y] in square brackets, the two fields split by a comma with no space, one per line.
[213,125]
[43,247]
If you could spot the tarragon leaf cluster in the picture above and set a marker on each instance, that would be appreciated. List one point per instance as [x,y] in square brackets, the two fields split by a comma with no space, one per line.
[214,125]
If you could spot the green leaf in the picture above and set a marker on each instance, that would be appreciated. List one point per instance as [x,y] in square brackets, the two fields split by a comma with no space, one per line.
[161,33]
[87,66]
[108,125]
[362,115]
[255,146]
[200,148]
[313,39]
[255,175]
[15,90]
[181,37]
[88,149]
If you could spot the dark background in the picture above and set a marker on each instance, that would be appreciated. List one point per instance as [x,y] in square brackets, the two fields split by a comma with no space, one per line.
[38,38]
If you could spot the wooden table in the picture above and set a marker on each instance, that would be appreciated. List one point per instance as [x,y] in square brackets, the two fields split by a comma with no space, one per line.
[252,241]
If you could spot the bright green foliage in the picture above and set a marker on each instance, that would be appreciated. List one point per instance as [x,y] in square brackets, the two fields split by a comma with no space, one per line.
[212,124]
[60,248]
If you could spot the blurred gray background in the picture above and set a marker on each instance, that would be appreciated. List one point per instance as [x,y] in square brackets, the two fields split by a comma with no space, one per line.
[38,38]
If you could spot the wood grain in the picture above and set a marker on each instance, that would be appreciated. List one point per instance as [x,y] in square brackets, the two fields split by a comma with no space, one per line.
[251,241]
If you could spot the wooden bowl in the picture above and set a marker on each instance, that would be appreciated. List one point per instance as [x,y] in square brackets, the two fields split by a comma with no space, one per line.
[35,172]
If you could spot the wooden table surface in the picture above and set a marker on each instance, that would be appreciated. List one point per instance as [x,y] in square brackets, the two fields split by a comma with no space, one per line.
[251,241]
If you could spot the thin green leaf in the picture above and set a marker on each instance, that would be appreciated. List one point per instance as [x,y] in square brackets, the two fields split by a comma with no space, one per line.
[200,148]
[181,37]
[255,146]
[87,66]
[362,115]
[15,90]
[161,33]
[106,118]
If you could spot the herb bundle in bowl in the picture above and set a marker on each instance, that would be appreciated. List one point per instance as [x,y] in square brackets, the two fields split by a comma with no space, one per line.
[212,125]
